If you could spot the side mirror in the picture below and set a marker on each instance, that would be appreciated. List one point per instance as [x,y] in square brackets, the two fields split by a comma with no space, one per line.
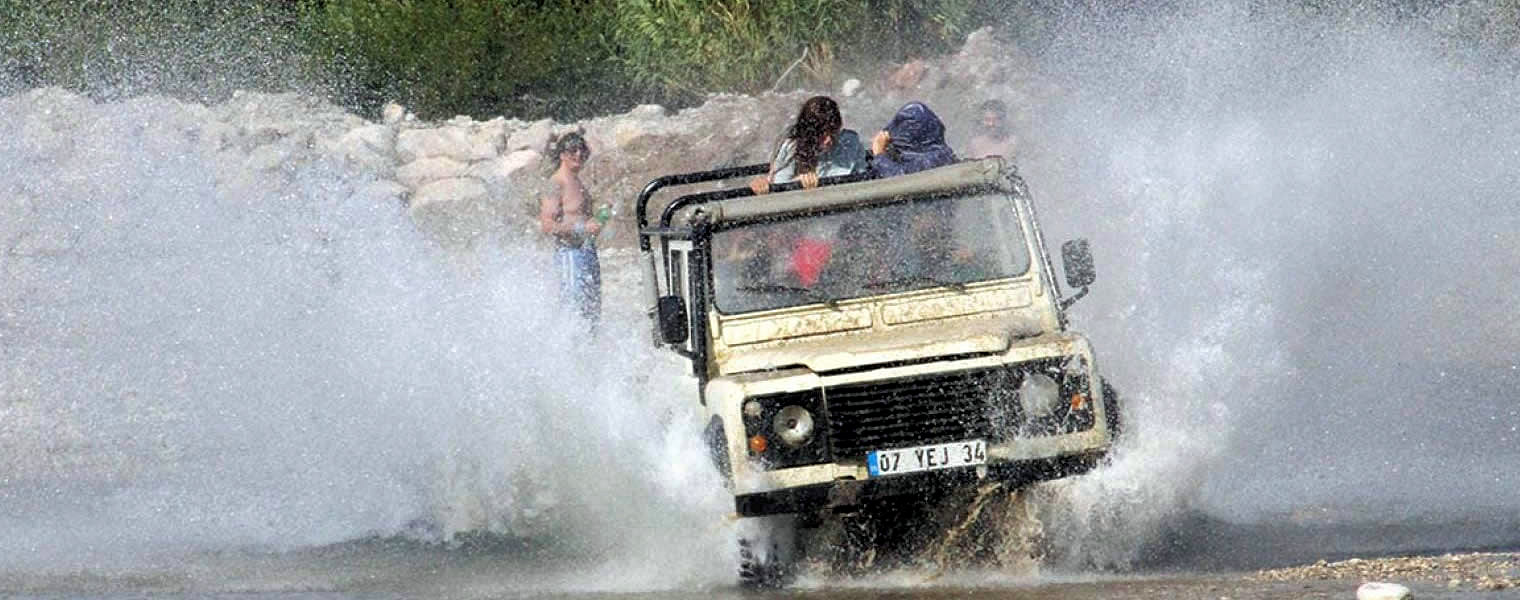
[672,315]
[1078,261]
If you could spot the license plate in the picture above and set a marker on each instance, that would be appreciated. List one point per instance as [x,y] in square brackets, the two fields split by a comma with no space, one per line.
[926,458]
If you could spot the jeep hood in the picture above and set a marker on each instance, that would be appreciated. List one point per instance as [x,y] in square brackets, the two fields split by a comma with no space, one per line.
[980,335]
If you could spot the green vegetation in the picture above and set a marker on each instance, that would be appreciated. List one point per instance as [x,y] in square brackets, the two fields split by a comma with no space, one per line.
[527,58]
[185,48]
[512,56]
[690,46]
[447,57]
[560,58]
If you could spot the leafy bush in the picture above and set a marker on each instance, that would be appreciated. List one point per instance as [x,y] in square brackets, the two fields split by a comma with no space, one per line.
[442,57]
[688,47]
[446,57]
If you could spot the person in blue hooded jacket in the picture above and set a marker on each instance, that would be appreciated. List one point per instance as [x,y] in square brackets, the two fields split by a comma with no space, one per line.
[914,140]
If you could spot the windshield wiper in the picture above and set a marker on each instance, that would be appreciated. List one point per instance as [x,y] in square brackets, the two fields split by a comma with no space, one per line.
[912,279]
[810,294]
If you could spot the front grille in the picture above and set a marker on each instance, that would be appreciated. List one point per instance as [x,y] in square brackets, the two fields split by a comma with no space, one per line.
[919,410]
[913,411]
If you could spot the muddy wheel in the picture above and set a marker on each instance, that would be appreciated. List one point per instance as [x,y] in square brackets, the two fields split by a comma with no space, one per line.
[758,567]
[841,544]
[767,554]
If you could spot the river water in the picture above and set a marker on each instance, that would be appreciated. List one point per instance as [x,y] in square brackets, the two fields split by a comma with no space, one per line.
[214,381]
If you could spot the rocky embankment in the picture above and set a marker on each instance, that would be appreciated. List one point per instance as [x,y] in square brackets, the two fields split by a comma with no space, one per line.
[465,177]
[1472,571]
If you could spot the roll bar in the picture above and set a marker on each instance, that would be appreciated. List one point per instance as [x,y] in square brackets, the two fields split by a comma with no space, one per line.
[641,207]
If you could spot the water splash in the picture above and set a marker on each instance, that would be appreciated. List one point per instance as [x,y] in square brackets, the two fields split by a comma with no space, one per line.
[1287,211]
[201,356]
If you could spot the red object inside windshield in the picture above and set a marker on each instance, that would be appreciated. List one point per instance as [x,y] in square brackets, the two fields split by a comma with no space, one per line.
[808,259]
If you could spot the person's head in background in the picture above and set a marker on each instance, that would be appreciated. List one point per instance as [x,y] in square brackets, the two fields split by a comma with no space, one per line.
[994,118]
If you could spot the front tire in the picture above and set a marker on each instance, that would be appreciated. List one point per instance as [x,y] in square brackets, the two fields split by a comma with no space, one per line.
[767,552]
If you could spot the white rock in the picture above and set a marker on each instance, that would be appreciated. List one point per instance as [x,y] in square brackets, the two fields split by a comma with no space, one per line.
[515,162]
[38,138]
[381,191]
[1383,591]
[498,170]
[849,88]
[495,128]
[263,132]
[422,171]
[258,107]
[368,146]
[449,141]
[267,157]
[486,141]
[455,210]
[215,136]
[392,113]
[534,137]
[647,111]
[377,137]
[450,193]
[52,101]
[626,132]
[484,170]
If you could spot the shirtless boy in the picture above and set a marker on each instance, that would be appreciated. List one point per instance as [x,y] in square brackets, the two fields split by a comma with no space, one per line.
[565,215]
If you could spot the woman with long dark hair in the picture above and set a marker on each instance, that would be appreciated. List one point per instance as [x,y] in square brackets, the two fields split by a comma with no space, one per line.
[816,145]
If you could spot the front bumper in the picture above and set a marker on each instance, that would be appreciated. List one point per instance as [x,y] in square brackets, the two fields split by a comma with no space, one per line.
[847,494]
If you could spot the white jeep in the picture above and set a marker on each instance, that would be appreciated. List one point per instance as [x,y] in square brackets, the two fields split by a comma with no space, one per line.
[873,339]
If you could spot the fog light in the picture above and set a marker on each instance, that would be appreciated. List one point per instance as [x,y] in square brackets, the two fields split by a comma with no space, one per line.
[794,425]
[758,444]
[752,409]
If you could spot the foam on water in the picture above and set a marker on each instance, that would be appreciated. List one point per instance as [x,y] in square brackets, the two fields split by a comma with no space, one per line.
[197,357]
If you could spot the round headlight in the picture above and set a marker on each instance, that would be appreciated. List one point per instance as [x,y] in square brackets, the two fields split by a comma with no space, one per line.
[1039,395]
[794,425]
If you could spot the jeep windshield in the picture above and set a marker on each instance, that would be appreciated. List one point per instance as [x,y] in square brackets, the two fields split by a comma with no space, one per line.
[941,242]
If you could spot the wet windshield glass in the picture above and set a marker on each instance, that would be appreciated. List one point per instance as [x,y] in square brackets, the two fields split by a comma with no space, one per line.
[872,251]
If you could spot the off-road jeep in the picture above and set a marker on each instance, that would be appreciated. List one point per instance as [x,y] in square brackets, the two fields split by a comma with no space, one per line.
[873,338]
